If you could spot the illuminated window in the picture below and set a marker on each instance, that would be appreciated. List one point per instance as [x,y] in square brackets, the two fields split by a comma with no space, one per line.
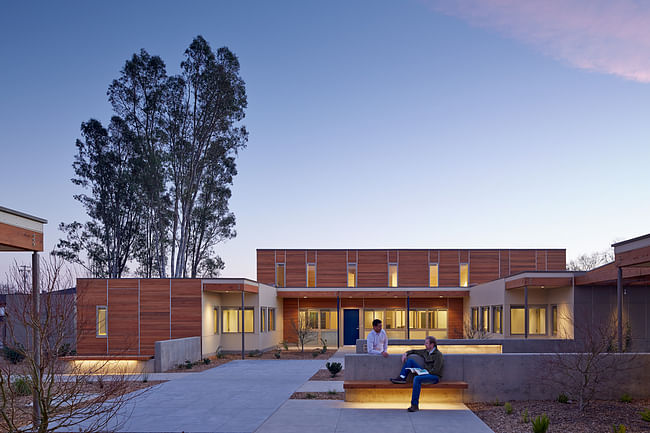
[352,275]
[311,275]
[279,274]
[395,319]
[537,320]
[322,324]
[485,318]
[554,319]
[231,320]
[102,325]
[497,320]
[474,323]
[370,315]
[263,322]
[271,319]
[392,275]
[464,275]
[428,319]
[215,320]
[517,320]
[433,275]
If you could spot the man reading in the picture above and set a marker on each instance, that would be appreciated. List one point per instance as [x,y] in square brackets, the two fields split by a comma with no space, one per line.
[432,363]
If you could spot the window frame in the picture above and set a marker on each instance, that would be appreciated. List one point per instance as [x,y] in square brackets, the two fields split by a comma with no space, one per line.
[356,273]
[554,320]
[238,309]
[215,320]
[484,324]
[263,319]
[307,274]
[396,274]
[460,275]
[474,318]
[437,267]
[105,309]
[530,307]
[271,313]
[284,274]
[492,321]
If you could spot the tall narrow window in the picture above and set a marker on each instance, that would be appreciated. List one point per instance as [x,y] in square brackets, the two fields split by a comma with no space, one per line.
[392,275]
[464,275]
[475,318]
[279,274]
[271,319]
[497,321]
[263,311]
[433,275]
[352,275]
[537,320]
[554,319]
[102,328]
[215,320]
[485,318]
[311,275]
[517,320]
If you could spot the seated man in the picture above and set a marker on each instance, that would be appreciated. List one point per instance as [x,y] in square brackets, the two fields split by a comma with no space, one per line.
[432,363]
[377,340]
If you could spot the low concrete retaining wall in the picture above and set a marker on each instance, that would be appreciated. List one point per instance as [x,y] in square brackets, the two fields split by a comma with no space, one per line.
[170,353]
[508,345]
[513,376]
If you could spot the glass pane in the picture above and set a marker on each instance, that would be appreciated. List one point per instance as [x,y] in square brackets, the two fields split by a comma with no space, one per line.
[313,319]
[554,312]
[537,320]
[486,315]
[249,323]
[516,320]
[327,319]
[368,317]
[101,321]
[496,320]
[263,319]
[311,275]
[271,319]
[279,274]
[215,319]
[433,275]
[441,319]
[464,275]
[352,275]
[229,321]
[392,275]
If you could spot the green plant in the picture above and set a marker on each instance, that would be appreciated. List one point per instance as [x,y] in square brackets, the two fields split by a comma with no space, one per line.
[310,396]
[14,354]
[619,428]
[626,398]
[334,368]
[540,424]
[332,392]
[497,402]
[188,365]
[220,354]
[22,386]
[562,398]
[524,416]
[207,361]
[324,343]
[508,408]
[315,353]
[277,354]
[645,415]
[285,344]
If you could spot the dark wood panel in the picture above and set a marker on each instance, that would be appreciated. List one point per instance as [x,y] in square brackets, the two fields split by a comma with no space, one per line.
[317,303]
[90,294]
[186,308]
[331,268]
[428,303]
[266,266]
[17,237]
[154,313]
[289,319]
[556,260]
[352,256]
[123,283]
[504,263]
[455,318]
[463,256]
[296,268]
[385,302]
[280,256]
[392,256]
[540,260]
[351,303]
[122,321]
[311,256]
[483,266]
[413,270]
[449,273]
[372,268]
[522,260]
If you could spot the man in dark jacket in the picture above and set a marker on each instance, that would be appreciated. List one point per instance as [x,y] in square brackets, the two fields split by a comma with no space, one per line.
[432,363]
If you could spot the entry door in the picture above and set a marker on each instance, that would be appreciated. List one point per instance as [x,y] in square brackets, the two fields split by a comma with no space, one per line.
[350,327]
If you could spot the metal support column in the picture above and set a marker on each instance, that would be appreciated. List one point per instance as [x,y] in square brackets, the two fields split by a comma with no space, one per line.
[619,307]
[243,327]
[408,314]
[36,325]
[525,311]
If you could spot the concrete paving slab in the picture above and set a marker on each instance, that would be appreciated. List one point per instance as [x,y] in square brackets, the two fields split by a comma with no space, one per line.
[321,386]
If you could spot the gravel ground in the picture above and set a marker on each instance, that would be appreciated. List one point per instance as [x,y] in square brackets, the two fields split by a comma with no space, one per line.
[318,396]
[599,416]
[324,374]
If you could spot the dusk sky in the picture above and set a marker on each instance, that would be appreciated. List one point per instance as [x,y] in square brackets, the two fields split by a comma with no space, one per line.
[373,124]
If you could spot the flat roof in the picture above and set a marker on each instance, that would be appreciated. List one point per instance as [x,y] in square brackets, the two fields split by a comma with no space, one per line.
[24,215]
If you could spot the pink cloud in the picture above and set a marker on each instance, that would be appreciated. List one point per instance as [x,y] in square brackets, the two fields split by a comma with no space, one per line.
[608,36]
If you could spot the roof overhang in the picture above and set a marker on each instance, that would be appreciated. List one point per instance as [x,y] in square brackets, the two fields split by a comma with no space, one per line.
[357,292]
[227,285]
[20,231]
[542,280]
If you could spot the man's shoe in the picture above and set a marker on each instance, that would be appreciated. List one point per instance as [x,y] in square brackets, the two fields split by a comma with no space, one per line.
[413,408]
[398,380]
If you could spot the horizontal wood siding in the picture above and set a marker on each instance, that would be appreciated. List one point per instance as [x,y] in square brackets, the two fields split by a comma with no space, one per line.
[504,263]
[413,269]
[331,269]
[463,256]
[385,303]
[289,319]
[17,237]
[329,303]
[556,260]
[352,256]
[186,308]
[122,318]
[392,256]
[266,266]
[280,256]
[483,266]
[455,318]
[351,303]
[522,260]
[372,269]
[449,272]
[296,268]
[90,294]
[541,260]
[311,256]
[154,313]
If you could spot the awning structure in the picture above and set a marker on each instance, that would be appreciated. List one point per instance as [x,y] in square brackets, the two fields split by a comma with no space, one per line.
[20,232]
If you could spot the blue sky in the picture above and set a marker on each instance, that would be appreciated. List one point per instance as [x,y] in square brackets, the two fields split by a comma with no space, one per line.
[372,124]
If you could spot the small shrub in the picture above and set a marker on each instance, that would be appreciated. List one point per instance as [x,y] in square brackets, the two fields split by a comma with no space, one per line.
[524,416]
[188,365]
[22,386]
[285,344]
[626,398]
[324,343]
[497,402]
[310,396]
[14,354]
[540,424]
[334,368]
[645,415]
[332,392]
[508,408]
[619,428]
[207,361]
[315,353]
[277,354]
[562,398]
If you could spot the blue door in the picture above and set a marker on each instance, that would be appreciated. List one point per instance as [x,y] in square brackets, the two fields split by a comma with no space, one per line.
[350,327]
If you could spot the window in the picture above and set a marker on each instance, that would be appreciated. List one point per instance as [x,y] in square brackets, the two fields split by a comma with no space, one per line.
[554,319]
[464,275]
[392,275]
[279,274]
[536,320]
[271,319]
[395,319]
[231,319]
[322,322]
[517,320]
[425,322]
[311,275]
[102,321]
[497,321]
[474,323]
[485,318]
[433,275]
[352,275]
[263,322]
[215,320]
[369,316]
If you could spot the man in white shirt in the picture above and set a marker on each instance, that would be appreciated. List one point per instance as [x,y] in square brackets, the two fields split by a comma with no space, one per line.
[377,340]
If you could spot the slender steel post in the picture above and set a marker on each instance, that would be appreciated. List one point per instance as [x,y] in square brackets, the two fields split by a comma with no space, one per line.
[619,307]
[408,315]
[36,329]
[525,311]
[338,320]
[243,327]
